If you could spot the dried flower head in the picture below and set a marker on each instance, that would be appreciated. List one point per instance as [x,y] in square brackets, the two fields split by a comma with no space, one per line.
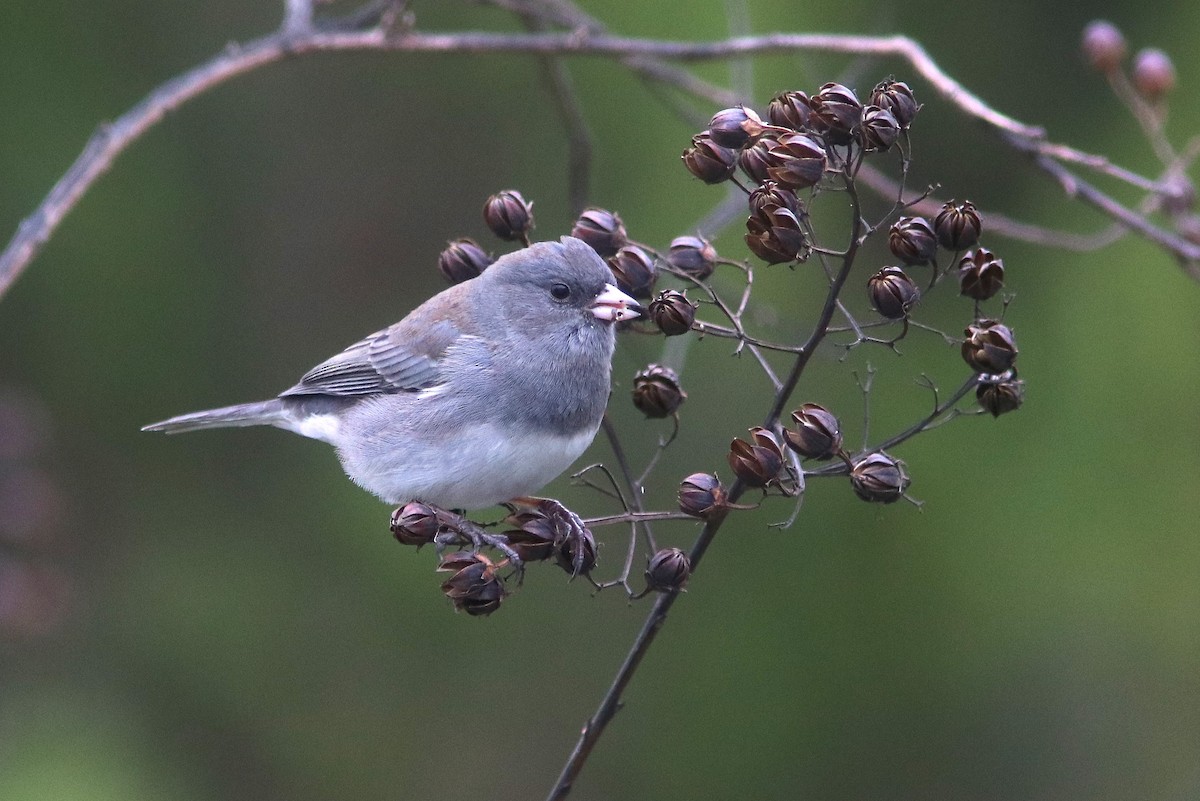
[838,112]
[818,433]
[980,274]
[989,347]
[508,215]
[879,128]
[668,570]
[700,494]
[709,161]
[602,229]
[758,462]
[735,127]
[634,271]
[656,391]
[790,110]
[415,524]
[896,97]
[796,160]
[879,478]
[958,225]
[576,553]
[756,160]
[672,312]
[892,292]
[692,255]
[1000,394]
[912,240]
[462,260]
[476,587]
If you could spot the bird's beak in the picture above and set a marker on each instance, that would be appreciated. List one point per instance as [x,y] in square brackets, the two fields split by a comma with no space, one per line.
[612,305]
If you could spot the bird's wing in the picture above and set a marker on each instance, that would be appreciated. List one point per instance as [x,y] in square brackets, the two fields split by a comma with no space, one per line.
[403,358]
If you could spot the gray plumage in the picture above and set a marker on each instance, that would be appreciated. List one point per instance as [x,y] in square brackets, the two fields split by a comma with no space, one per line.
[485,392]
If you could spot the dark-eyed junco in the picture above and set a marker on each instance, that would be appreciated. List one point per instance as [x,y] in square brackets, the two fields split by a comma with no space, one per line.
[485,392]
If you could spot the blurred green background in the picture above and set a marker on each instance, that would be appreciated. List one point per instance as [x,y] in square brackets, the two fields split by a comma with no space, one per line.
[224,616]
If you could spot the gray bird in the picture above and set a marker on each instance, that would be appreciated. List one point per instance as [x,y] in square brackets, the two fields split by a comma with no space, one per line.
[484,393]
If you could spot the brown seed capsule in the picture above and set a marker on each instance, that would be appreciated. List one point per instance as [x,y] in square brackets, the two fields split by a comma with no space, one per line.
[700,494]
[958,225]
[508,215]
[634,271]
[735,127]
[415,524]
[879,478]
[818,433]
[797,161]
[756,463]
[1153,73]
[756,159]
[777,235]
[912,240]
[838,111]
[790,110]
[980,274]
[692,255]
[601,229]
[1103,45]
[462,260]
[892,292]
[576,554]
[989,347]
[656,391]
[1000,394]
[672,312]
[539,531]
[668,570]
[879,129]
[769,196]
[475,587]
[709,161]
[896,97]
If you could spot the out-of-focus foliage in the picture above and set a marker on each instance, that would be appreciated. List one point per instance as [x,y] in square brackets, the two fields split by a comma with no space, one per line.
[224,616]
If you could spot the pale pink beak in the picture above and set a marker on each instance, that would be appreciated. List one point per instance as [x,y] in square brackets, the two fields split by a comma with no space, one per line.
[612,305]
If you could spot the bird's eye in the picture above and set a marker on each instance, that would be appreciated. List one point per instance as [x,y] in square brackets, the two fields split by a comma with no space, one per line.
[560,291]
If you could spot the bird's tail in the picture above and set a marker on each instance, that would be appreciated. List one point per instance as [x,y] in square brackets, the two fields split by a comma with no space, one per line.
[263,413]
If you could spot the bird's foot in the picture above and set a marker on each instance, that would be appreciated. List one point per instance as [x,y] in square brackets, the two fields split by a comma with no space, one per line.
[456,529]
[573,545]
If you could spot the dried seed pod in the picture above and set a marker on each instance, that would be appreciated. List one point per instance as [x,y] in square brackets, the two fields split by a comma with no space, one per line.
[1000,394]
[777,235]
[818,433]
[989,347]
[1103,45]
[700,494]
[576,553]
[475,587]
[1153,73]
[463,260]
[797,161]
[896,97]
[980,274]
[672,312]
[879,478]
[790,110]
[415,524]
[912,240]
[769,196]
[735,127]
[958,225]
[692,255]
[838,111]
[756,463]
[756,159]
[508,215]
[892,292]
[602,229]
[634,271]
[539,531]
[668,570]
[879,128]
[656,391]
[709,161]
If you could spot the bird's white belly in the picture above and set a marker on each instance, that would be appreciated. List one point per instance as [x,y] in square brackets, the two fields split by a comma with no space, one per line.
[480,466]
